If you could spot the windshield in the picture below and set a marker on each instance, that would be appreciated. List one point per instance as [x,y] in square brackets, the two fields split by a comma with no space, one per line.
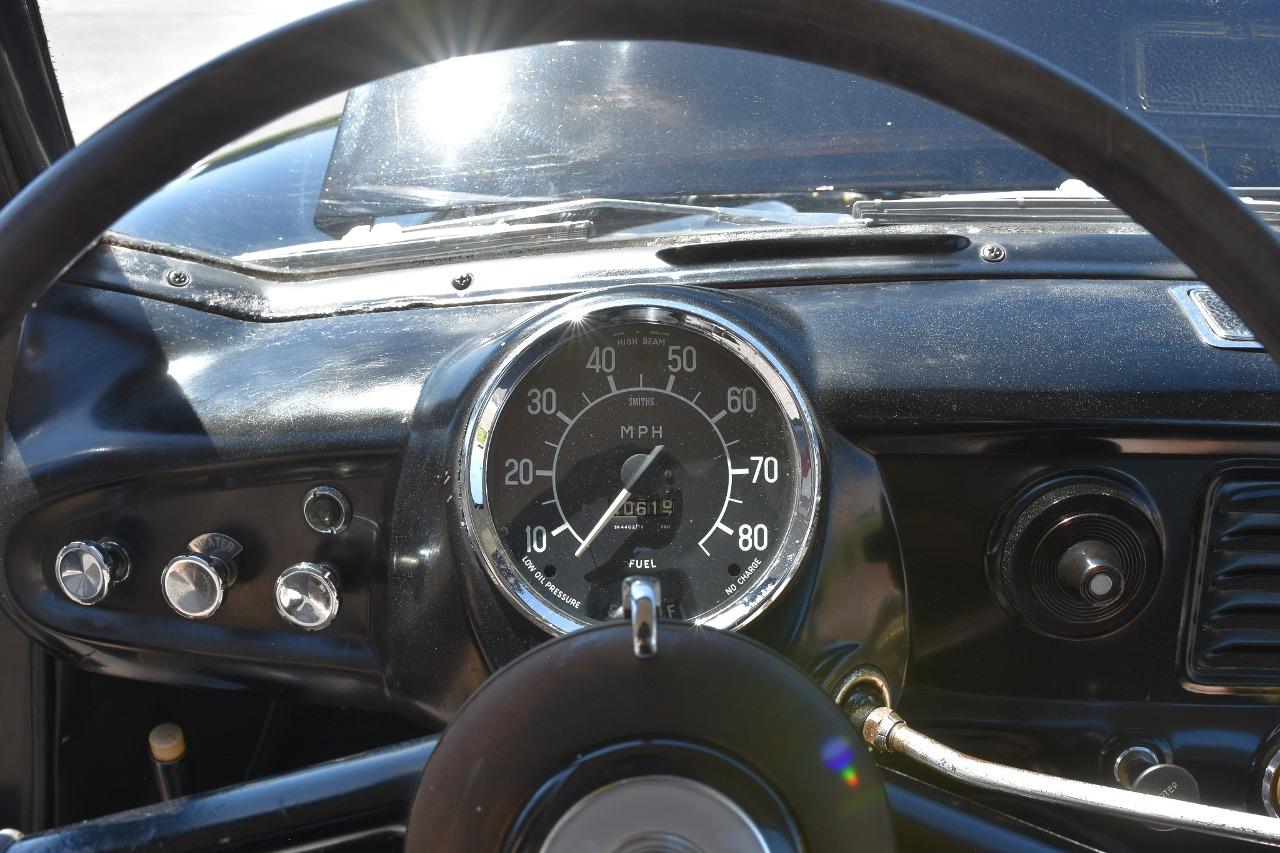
[485,151]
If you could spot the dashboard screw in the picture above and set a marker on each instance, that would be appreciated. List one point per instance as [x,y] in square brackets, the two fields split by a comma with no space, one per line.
[178,278]
[462,282]
[992,253]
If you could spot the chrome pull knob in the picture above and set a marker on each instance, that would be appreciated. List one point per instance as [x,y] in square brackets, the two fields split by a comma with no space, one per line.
[307,595]
[1138,768]
[195,584]
[87,571]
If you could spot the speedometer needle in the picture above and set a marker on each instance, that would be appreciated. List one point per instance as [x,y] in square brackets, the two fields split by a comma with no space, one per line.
[630,479]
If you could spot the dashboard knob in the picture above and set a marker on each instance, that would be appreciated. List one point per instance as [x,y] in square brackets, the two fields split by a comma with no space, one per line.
[1090,570]
[195,584]
[326,510]
[307,595]
[1075,555]
[1139,769]
[87,571]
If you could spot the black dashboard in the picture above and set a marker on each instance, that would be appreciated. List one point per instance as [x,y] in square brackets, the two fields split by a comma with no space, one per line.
[945,408]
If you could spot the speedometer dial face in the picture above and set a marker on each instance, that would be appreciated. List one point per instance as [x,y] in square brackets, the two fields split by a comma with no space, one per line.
[642,440]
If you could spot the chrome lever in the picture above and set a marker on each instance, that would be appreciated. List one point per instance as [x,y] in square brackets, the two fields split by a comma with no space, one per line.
[641,595]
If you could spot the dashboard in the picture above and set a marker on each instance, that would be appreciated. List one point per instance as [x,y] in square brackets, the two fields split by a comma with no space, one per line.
[1045,511]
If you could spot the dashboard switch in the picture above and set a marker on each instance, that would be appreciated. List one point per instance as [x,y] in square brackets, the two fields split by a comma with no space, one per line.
[1075,555]
[307,595]
[1139,769]
[87,571]
[326,510]
[1091,571]
[195,584]
[1271,782]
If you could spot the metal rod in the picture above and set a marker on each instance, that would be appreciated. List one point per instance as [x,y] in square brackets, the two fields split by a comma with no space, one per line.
[886,731]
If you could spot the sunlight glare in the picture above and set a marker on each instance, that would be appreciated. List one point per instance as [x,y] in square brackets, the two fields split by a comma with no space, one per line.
[460,99]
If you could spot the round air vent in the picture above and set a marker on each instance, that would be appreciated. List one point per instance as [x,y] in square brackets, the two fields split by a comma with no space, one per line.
[1075,556]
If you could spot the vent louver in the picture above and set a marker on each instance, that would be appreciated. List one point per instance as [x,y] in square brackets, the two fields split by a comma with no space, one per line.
[1235,627]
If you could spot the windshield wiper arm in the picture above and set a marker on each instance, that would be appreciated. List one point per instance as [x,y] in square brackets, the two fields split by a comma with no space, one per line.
[732,216]
[486,231]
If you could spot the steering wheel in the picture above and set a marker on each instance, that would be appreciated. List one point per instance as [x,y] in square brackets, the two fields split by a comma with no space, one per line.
[549,739]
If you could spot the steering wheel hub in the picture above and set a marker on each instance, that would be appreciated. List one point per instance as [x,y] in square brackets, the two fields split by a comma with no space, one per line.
[716,737]
[621,818]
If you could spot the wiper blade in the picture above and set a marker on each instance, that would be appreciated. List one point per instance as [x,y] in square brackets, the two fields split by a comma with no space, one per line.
[367,244]
[665,209]
[374,202]
[1074,201]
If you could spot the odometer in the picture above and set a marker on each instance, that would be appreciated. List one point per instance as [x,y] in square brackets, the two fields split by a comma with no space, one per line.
[656,439]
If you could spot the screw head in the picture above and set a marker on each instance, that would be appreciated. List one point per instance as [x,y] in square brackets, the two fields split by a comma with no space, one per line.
[993,253]
[178,278]
[462,282]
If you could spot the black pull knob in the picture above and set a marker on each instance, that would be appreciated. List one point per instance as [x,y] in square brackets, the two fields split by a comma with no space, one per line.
[1139,769]
[1090,570]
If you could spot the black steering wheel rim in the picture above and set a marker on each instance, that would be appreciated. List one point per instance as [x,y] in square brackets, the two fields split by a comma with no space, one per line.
[62,214]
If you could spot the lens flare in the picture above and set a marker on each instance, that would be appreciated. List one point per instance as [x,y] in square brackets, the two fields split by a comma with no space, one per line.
[837,755]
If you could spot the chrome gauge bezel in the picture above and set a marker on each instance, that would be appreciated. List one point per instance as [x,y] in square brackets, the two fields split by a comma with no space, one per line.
[537,341]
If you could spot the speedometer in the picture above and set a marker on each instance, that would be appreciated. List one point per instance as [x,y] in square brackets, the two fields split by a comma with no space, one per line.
[641,438]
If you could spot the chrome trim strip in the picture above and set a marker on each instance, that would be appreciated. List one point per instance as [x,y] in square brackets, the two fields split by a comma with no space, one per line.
[1204,323]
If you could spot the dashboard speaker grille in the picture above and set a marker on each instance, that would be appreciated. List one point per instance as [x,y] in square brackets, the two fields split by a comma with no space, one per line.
[1235,617]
